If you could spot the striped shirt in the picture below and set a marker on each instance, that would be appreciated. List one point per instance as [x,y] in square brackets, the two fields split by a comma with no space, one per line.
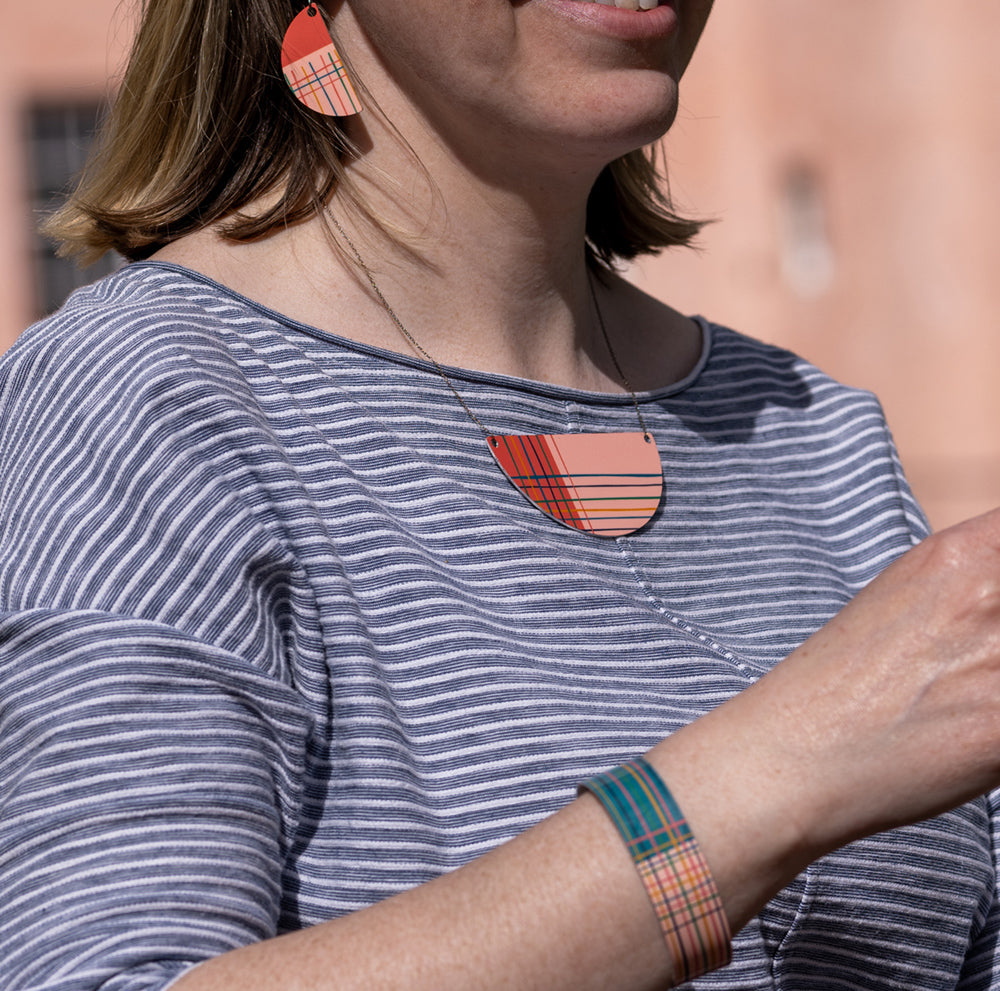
[278,639]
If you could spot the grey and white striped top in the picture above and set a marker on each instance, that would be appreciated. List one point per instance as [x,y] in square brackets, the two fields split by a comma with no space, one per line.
[278,639]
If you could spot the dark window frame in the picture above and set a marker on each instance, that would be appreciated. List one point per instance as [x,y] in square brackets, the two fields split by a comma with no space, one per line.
[57,136]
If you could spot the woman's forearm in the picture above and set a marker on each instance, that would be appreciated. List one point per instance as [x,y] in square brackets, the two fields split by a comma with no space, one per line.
[559,907]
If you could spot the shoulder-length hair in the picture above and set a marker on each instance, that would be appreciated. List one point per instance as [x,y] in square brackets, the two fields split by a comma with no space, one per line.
[204,125]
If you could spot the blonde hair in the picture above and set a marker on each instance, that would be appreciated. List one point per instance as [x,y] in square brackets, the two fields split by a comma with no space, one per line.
[204,124]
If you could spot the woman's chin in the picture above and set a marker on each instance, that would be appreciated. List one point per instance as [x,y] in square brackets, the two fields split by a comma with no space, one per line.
[620,120]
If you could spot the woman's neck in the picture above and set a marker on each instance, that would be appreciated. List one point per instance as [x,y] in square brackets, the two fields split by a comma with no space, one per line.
[485,276]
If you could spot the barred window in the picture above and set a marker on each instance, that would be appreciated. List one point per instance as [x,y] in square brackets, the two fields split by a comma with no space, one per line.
[58,136]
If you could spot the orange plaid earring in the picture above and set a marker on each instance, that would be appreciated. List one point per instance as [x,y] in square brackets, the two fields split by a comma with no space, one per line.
[313,69]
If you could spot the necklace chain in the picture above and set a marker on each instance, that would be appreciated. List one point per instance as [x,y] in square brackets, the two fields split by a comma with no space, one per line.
[418,347]
[614,357]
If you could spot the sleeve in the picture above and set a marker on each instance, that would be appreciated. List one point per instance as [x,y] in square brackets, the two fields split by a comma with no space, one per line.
[148,787]
[916,519]
[152,744]
[981,971]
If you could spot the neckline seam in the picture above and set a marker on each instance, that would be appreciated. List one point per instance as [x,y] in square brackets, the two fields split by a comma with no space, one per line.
[470,375]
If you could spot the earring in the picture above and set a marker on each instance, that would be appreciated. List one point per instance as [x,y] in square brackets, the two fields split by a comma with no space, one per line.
[313,69]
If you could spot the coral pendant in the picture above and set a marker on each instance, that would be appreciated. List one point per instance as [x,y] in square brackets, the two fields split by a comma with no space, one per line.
[609,485]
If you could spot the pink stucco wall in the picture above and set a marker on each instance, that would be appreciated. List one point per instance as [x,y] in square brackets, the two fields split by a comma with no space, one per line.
[892,109]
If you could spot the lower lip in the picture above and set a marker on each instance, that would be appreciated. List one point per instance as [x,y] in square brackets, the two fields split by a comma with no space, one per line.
[631,25]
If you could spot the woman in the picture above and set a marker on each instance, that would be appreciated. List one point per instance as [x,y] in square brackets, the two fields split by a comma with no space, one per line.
[299,688]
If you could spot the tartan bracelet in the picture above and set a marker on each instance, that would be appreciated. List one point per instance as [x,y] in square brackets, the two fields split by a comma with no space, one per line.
[670,863]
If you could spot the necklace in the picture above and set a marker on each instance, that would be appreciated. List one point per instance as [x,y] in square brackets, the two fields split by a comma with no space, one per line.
[606,484]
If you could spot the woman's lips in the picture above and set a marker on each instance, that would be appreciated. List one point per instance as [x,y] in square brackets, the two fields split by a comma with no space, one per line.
[635,20]
[626,4]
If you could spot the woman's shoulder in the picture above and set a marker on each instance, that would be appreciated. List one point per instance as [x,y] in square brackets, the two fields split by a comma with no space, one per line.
[715,361]
[748,371]
[142,360]
[130,339]
[735,352]
[142,307]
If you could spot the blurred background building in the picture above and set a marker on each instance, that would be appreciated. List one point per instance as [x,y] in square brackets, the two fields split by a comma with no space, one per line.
[849,154]
[57,63]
